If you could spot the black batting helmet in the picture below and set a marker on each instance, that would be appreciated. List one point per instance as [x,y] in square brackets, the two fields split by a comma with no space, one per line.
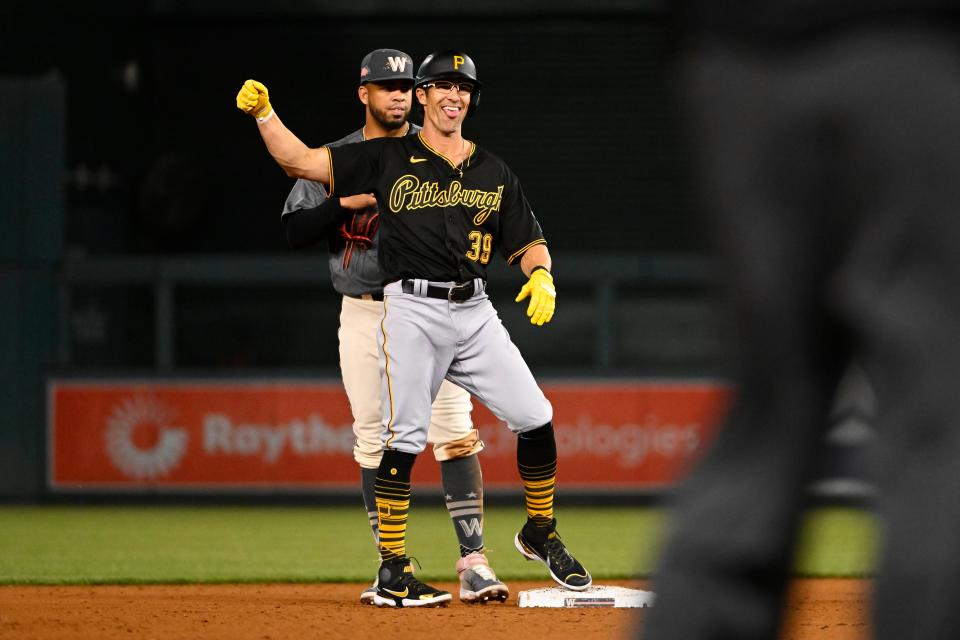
[450,65]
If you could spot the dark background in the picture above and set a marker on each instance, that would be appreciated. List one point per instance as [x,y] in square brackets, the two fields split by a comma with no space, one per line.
[141,232]
[577,102]
[157,162]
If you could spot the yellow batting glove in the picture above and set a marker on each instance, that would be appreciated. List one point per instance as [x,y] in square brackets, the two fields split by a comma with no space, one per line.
[543,297]
[254,99]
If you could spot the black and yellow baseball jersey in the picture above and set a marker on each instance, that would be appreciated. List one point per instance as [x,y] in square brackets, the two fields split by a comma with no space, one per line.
[438,221]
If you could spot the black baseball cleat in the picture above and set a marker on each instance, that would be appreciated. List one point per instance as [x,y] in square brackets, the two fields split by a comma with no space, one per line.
[396,587]
[544,545]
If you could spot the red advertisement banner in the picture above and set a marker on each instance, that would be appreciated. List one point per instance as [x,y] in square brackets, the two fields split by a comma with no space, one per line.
[288,434]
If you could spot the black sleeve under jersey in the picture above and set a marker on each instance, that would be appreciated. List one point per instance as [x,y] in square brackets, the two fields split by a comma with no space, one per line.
[519,229]
[355,168]
[305,227]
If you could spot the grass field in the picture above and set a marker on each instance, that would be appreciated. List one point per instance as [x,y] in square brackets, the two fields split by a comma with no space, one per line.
[118,545]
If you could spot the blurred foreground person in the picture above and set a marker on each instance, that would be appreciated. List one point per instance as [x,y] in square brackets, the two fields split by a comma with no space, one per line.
[827,135]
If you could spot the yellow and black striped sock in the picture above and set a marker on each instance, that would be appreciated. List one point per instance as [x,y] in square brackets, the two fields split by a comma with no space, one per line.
[538,484]
[392,492]
[537,462]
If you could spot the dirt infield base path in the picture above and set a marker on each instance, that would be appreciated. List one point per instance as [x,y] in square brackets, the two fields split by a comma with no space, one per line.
[821,609]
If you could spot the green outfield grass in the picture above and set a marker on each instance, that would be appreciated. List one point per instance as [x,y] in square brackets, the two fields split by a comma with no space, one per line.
[90,545]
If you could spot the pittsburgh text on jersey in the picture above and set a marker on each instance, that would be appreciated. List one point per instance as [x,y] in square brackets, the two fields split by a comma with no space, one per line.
[409,194]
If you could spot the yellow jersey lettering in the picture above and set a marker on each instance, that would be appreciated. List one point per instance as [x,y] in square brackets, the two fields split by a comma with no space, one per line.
[475,238]
[489,202]
[481,245]
[409,194]
[401,190]
[454,193]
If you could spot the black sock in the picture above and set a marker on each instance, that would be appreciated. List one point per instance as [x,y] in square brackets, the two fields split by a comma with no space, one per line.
[367,479]
[392,491]
[537,462]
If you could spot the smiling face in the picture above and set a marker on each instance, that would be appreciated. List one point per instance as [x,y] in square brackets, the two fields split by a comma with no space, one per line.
[388,102]
[444,110]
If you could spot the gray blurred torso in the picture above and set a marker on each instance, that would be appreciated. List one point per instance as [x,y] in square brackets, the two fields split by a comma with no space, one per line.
[362,273]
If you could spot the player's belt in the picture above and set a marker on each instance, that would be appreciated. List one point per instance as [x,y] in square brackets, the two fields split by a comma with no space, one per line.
[376,295]
[457,293]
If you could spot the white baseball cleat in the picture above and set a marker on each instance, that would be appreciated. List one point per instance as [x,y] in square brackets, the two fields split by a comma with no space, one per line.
[366,596]
[478,582]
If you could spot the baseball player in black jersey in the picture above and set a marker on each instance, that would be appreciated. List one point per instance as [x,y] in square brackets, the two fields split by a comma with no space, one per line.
[348,225]
[446,206]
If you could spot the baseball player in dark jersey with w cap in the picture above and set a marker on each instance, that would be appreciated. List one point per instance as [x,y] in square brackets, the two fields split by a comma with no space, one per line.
[447,206]
[349,226]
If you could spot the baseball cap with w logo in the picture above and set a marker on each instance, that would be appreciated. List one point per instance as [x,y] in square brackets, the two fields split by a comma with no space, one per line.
[386,64]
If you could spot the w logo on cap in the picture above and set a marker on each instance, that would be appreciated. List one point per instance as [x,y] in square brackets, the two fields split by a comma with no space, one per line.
[397,63]
[386,64]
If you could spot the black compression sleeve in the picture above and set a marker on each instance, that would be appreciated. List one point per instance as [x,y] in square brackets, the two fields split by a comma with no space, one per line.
[305,227]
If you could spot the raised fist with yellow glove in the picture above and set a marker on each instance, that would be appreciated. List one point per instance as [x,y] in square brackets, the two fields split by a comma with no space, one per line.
[255,100]
[543,296]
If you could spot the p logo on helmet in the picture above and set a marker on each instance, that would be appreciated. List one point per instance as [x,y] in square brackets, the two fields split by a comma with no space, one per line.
[450,65]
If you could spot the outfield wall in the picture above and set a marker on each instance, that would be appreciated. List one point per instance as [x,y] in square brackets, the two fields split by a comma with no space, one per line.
[292,435]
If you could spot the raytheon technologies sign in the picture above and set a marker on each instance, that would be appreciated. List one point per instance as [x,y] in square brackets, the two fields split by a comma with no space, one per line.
[276,434]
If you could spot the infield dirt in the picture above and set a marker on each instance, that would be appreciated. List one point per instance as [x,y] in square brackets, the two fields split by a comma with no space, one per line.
[821,609]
